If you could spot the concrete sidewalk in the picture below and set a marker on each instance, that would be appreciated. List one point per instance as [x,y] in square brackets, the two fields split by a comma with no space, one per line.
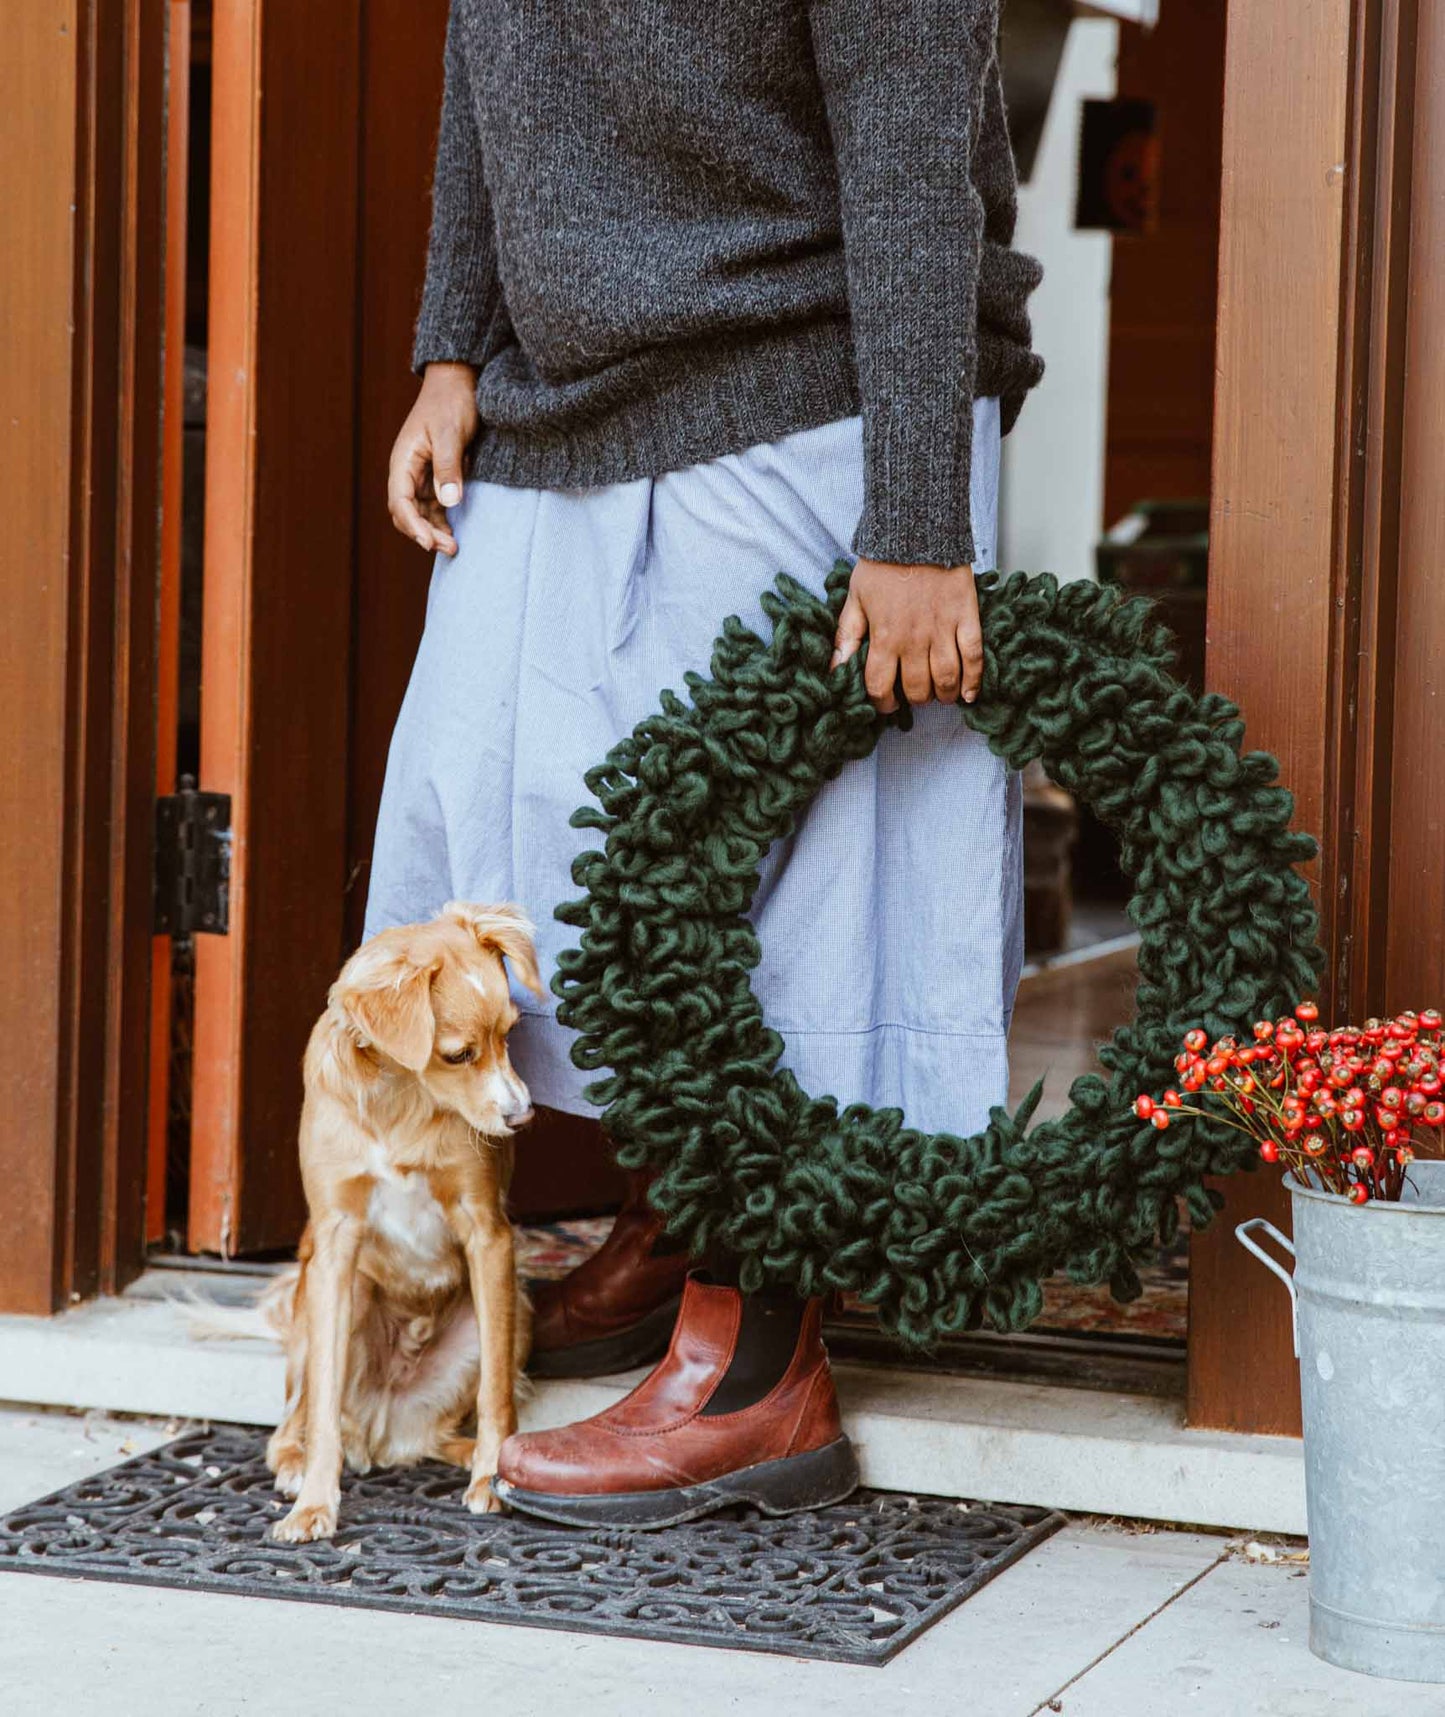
[1102,1621]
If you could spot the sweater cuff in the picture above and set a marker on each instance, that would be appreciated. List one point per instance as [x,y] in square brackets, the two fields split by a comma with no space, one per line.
[906,541]
[460,335]
[439,351]
[916,493]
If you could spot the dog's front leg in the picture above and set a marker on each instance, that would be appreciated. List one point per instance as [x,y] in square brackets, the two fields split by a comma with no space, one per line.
[286,1447]
[331,1280]
[492,1269]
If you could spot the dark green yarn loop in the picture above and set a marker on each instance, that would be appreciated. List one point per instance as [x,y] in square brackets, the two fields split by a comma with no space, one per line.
[939,1233]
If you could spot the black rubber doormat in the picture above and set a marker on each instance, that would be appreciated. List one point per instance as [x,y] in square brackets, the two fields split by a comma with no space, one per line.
[853,1583]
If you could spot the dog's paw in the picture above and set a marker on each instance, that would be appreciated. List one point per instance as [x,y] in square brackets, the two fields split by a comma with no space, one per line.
[305,1524]
[480,1497]
[288,1477]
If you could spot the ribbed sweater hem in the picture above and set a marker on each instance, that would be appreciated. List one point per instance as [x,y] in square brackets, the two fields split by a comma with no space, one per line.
[701,403]
[697,403]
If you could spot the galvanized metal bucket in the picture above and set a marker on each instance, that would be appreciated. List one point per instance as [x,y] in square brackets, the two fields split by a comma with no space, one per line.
[1369,1309]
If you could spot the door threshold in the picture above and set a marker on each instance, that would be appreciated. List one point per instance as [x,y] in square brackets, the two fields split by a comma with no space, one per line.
[1090,1451]
[1115,1363]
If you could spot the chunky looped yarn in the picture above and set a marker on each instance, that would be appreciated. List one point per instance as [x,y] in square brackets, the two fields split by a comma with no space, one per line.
[939,1233]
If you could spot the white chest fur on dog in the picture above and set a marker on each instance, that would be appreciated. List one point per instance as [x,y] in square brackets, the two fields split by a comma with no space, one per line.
[403,1215]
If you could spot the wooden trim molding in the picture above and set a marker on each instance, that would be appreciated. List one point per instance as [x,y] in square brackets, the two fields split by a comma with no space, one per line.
[1272,568]
[81,172]
[1413,842]
[169,576]
[1360,757]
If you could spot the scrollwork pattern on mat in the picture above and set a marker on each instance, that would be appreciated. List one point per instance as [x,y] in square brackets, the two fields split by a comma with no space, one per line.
[854,1582]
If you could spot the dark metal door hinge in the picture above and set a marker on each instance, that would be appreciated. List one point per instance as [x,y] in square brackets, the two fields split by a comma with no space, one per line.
[193,862]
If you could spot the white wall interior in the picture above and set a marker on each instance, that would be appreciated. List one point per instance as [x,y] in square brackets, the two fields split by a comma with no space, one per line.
[1052,483]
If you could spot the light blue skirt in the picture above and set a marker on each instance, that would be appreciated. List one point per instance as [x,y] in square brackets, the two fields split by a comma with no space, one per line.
[891,922]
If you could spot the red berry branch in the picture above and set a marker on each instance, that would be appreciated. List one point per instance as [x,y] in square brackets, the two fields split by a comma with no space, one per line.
[1340,1109]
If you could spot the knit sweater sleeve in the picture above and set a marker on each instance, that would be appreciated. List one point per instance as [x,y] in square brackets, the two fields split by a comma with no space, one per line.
[463,315]
[904,85]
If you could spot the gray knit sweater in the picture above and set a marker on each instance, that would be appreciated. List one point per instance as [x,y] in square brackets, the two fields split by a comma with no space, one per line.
[665,230]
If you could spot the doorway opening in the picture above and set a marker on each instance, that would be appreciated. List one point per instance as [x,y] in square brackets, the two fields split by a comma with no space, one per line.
[1118,131]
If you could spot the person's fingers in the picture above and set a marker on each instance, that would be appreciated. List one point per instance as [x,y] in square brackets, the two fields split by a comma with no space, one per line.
[880,676]
[406,516]
[446,465]
[407,494]
[970,651]
[852,630]
[435,515]
[917,680]
[945,669]
[404,481]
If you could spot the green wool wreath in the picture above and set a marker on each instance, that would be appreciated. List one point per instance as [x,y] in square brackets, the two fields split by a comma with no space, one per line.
[938,1233]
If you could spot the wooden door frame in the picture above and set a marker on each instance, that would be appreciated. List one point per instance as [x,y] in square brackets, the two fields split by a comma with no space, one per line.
[1321,140]
[81,180]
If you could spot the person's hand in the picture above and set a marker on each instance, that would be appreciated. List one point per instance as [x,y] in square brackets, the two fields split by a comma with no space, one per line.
[922,625]
[426,462]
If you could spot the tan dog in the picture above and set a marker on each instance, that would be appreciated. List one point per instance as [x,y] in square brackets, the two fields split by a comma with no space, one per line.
[407,1260]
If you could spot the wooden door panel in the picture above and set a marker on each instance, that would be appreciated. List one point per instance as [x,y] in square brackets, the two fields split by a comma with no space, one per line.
[402,101]
[276,643]
[1271,554]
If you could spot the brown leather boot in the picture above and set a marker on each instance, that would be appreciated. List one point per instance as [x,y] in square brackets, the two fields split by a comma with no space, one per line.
[657,1457]
[617,1308]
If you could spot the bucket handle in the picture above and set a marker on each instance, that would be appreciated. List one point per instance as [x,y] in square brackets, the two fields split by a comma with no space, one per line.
[1244,1234]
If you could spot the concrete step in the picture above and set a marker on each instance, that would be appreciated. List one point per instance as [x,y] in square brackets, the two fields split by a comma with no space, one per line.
[987,1438]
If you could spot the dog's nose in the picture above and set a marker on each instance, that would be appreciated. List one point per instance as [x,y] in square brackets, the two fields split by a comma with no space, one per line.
[516,1105]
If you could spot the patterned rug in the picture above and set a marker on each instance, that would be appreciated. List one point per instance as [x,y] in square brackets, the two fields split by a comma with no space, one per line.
[552,1249]
[853,1583]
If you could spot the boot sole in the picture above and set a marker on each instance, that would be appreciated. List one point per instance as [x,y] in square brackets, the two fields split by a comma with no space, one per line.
[788,1486]
[644,1343]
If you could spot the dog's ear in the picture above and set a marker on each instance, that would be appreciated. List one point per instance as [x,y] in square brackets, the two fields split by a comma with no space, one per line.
[386,997]
[508,931]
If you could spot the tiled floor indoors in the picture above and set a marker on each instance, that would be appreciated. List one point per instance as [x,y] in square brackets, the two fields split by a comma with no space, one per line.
[1102,1621]
[1064,1009]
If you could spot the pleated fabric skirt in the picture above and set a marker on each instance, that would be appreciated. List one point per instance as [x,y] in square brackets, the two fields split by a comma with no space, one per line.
[891,922]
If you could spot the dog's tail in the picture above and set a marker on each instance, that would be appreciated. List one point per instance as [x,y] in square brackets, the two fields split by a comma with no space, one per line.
[267,1318]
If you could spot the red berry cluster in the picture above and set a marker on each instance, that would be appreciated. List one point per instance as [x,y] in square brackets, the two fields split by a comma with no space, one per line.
[1339,1108]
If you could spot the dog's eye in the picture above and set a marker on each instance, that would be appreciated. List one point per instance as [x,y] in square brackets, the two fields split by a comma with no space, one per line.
[459,1057]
